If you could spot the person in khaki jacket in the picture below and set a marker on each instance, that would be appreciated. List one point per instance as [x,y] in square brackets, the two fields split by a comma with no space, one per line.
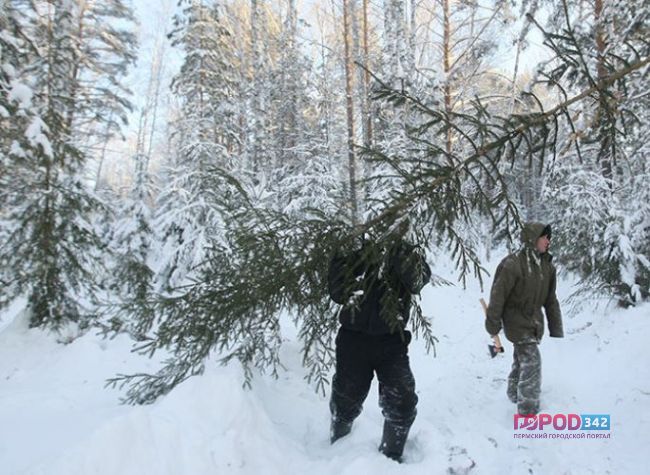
[524,282]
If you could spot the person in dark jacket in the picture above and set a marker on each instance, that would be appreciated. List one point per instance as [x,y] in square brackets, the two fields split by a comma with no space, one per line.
[525,282]
[374,287]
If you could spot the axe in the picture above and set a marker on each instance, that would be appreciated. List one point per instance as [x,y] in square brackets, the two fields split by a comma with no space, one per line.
[497,347]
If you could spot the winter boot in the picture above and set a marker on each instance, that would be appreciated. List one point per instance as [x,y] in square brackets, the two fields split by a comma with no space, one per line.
[393,441]
[339,429]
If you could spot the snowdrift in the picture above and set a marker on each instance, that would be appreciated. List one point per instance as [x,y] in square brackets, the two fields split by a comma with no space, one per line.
[56,417]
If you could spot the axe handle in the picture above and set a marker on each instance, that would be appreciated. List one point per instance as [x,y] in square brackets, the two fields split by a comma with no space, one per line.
[497,340]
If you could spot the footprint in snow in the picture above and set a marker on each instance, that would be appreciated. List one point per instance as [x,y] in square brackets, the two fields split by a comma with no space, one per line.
[460,463]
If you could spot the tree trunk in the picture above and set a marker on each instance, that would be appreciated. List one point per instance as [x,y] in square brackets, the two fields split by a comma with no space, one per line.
[446,52]
[291,139]
[389,43]
[411,43]
[352,166]
[606,151]
[367,114]
[160,67]
[401,50]
[256,106]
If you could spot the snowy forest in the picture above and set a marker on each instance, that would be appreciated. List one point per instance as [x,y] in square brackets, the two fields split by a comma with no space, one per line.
[186,194]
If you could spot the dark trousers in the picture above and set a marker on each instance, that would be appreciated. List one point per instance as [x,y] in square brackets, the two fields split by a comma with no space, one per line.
[358,357]
[525,379]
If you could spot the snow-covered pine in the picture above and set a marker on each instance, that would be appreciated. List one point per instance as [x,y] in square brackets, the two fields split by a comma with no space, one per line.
[363,55]
[132,233]
[74,62]
[330,103]
[301,174]
[204,134]
[598,199]
[390,124]
[131,277]
[100,46]
[291,68]
[258,93]
[15,117]
[132,240]
[15,95]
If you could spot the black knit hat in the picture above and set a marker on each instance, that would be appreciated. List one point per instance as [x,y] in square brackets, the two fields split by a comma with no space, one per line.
[546,231]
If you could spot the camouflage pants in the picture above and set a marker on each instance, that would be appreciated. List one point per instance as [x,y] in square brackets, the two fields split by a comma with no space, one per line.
[525,379]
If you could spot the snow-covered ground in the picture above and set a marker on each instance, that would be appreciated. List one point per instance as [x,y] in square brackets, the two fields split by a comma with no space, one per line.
[56,417]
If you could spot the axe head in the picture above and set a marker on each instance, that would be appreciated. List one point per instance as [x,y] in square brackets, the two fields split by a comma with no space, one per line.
[494,350]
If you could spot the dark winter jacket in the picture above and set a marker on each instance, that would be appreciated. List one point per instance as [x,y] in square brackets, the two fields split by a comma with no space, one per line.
[525,282]
[374,286]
